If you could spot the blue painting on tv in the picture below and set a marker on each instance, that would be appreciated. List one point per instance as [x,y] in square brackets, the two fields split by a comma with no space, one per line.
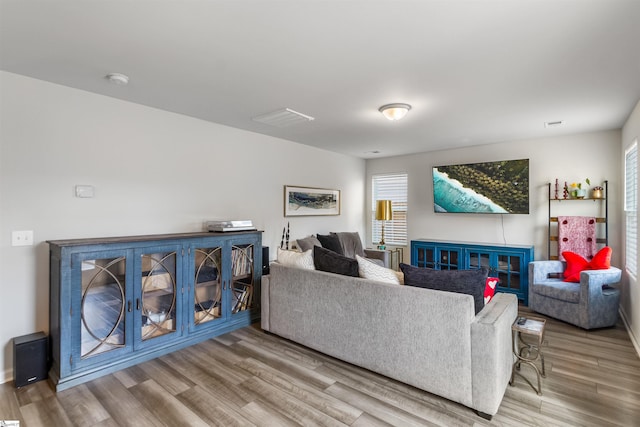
[500,187]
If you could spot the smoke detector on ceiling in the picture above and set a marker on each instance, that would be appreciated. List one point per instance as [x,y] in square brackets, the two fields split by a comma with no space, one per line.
[282,118]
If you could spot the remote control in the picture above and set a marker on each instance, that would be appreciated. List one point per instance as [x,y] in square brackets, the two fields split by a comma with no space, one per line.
[522,320]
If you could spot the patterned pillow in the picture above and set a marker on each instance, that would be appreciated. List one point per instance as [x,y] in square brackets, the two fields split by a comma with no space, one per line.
[490,289]
[372,271]
[303,260]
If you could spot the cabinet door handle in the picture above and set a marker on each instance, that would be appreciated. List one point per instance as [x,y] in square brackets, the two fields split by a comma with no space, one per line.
[129,306]
[137,303]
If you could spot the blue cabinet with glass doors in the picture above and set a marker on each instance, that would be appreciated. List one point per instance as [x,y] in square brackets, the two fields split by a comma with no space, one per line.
[115,302]
[508,263]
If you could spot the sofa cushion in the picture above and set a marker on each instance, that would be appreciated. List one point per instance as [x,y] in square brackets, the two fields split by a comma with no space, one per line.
[329,261]
[576,263]
[351,244]
[373,271]
[471,282]
[558,289]
[331,242]
[308,243]
[296,259]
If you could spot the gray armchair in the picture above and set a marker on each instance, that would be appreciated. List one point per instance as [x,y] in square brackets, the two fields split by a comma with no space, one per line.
[592,303]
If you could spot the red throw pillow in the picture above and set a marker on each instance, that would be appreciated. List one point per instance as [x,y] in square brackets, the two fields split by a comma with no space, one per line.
[576,264]
[490,289]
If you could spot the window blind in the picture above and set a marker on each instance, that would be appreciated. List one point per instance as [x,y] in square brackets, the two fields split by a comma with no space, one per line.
[390,187]
[631,208]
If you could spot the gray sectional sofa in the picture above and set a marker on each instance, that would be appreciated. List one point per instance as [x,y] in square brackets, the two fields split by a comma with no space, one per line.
[430,339]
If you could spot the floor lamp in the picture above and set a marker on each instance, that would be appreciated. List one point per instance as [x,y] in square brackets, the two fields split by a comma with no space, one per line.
[383,213]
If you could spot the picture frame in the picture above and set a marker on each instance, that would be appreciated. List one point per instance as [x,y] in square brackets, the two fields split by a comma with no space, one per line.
[310,201]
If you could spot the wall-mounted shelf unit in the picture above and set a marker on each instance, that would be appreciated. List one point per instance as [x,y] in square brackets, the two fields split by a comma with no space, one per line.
[587,206]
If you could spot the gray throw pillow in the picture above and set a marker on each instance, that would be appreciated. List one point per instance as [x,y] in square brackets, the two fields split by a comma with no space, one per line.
[331,242]
[470,282]
[351,244]
[307,243]
[329,261]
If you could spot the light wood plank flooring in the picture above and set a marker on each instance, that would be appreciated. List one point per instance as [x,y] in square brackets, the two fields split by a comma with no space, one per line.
[250,378]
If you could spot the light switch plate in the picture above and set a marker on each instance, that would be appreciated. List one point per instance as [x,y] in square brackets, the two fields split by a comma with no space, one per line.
[22,238]
[84,191]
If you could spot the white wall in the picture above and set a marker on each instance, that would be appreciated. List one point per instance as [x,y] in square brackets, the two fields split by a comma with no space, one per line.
[569,158]
[630,306]
[153,172]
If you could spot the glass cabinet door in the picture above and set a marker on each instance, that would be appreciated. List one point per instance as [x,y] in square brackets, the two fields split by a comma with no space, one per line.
[242,267]
[509,271]
[480,259]
[448,259]
[425,256]
[157,302]
[207,285]
[103,306]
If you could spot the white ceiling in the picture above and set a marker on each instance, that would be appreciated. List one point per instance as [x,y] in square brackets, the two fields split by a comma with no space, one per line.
[475,72]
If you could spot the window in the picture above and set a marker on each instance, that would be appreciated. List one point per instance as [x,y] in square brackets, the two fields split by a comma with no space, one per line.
[631,208]
[390,187]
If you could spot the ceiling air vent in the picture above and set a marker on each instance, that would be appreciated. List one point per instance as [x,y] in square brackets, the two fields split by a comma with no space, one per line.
[555,124]
[283,118]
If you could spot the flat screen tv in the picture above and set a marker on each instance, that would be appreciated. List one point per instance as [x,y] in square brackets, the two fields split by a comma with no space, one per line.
[500,187]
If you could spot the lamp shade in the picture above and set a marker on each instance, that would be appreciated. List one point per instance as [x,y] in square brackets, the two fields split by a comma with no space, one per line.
[383,210]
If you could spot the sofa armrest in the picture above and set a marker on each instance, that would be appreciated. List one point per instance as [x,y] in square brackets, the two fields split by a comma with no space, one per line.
[379,254]
[491,353]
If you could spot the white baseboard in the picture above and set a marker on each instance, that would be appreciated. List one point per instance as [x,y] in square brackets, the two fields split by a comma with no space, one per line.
[6,376]
[634,339]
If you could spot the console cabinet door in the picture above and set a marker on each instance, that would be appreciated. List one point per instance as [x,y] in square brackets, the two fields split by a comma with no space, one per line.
[243,290]
[424,256]
[101,307]
[512,271]
[478,258]
[439,257]
[158,290]
[205,284]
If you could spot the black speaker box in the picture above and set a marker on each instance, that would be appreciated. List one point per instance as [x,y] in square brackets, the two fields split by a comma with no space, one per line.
[265,260]
[30,358]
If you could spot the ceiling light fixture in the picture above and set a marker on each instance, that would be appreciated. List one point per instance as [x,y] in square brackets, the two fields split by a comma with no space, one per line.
[395,111]
[117,78]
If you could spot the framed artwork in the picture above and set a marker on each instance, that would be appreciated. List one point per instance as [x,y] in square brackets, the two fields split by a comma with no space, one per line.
[307,201]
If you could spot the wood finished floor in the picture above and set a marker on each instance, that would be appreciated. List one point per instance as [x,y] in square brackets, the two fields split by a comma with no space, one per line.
[249,378]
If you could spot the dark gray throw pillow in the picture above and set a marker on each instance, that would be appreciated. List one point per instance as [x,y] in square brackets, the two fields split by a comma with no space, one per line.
[331,242]
[328,260]
[470,282]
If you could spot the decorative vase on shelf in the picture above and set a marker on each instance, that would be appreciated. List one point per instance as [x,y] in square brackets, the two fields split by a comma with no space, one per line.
[579,193]
[596,193]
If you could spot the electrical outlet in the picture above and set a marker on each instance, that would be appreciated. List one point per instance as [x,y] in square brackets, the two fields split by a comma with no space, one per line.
[22,238]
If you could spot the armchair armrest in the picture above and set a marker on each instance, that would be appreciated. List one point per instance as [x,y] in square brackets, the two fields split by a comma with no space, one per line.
[379,254]
[539,271]
[592,281]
